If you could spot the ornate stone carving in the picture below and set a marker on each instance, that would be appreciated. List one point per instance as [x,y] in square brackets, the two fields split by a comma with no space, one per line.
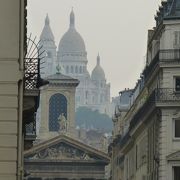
[62,151]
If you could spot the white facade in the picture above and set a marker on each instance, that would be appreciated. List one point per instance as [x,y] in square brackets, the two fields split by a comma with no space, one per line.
[71,56]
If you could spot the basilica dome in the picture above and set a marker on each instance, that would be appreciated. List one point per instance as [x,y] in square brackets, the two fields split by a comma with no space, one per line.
[98,72]
[72,42]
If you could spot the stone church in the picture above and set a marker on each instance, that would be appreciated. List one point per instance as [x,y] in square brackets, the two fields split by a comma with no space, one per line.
[57,153]
[71,56]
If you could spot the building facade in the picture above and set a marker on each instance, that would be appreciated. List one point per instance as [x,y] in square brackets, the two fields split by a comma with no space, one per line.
[12,49]
[147,143]
[93,91]
[57,153]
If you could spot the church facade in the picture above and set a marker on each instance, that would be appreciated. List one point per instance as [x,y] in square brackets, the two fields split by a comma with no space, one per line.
[71,56]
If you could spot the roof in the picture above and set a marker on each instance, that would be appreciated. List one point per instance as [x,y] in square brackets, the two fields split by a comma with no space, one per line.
[60,78]
[90,152]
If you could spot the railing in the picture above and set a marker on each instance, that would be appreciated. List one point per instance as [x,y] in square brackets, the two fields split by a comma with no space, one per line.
[167,94]
[171,56]
[31,73]
[160,95]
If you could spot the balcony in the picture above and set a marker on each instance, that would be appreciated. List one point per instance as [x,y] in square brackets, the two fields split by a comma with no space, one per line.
[159,97]
[165,97]
[32,82]
[166,56]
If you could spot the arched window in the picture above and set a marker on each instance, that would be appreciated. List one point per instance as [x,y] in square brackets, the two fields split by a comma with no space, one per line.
[84,69]
[80,70]
[57,106]
[76,70]
[72,69]
[67,69]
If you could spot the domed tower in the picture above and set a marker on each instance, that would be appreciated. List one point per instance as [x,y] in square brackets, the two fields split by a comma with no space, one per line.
[72,52]
[47,41]
[102,96]
[98,74]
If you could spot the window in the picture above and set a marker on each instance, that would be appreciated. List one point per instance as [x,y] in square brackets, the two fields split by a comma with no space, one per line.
[177,83]
[76,70]
[57,106]
[177,173]
[67,69]
[72,69]
[80,70]
[177,128]
[176,39]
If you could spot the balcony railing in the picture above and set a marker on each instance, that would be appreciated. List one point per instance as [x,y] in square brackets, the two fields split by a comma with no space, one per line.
[167,94]
[171,56]
[160,95]
[31,73]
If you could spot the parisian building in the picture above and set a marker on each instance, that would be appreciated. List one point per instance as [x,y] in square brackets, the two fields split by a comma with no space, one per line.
[71,55]
[146,138]
[12,50]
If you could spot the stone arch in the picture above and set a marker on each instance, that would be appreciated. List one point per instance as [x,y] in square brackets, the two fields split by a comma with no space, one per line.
[57,106]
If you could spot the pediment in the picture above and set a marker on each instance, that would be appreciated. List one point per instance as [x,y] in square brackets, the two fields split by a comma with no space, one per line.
[64,148]
[174,156]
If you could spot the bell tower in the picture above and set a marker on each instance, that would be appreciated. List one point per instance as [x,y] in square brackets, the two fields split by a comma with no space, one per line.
[48,46]
[58,104]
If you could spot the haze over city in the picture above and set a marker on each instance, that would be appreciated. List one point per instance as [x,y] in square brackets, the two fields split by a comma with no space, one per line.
[116,29]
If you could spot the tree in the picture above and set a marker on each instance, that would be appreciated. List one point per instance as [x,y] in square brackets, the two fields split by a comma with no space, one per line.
[88,118]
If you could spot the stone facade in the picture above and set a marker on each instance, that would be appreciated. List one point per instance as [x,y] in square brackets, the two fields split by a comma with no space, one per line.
[65,158]
[12,33]
[58,153]
[145,147]
[93,91]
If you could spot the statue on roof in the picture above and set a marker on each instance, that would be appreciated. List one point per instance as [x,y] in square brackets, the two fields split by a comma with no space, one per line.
[62,123]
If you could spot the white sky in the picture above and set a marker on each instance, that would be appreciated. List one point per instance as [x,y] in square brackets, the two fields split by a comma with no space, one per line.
[117,29]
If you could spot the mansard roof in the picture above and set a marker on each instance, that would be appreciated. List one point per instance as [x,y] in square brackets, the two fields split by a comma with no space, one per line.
[169,9]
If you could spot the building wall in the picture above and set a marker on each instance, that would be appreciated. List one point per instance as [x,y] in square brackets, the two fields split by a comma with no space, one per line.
[11,67]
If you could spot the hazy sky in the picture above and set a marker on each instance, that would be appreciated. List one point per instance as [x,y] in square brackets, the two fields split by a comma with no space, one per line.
[117,29]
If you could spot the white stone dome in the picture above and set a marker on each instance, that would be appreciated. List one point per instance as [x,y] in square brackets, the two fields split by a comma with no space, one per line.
[72,42]
[98,72]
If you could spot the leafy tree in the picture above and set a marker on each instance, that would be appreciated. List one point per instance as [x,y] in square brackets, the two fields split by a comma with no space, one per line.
[88,118]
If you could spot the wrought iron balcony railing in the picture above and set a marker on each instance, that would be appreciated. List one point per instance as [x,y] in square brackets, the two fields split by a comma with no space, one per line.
[164,96]
[170,56]
[167,94]
[160,95]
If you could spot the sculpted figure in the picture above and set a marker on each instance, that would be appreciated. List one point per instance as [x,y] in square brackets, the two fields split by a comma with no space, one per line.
[62,123]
